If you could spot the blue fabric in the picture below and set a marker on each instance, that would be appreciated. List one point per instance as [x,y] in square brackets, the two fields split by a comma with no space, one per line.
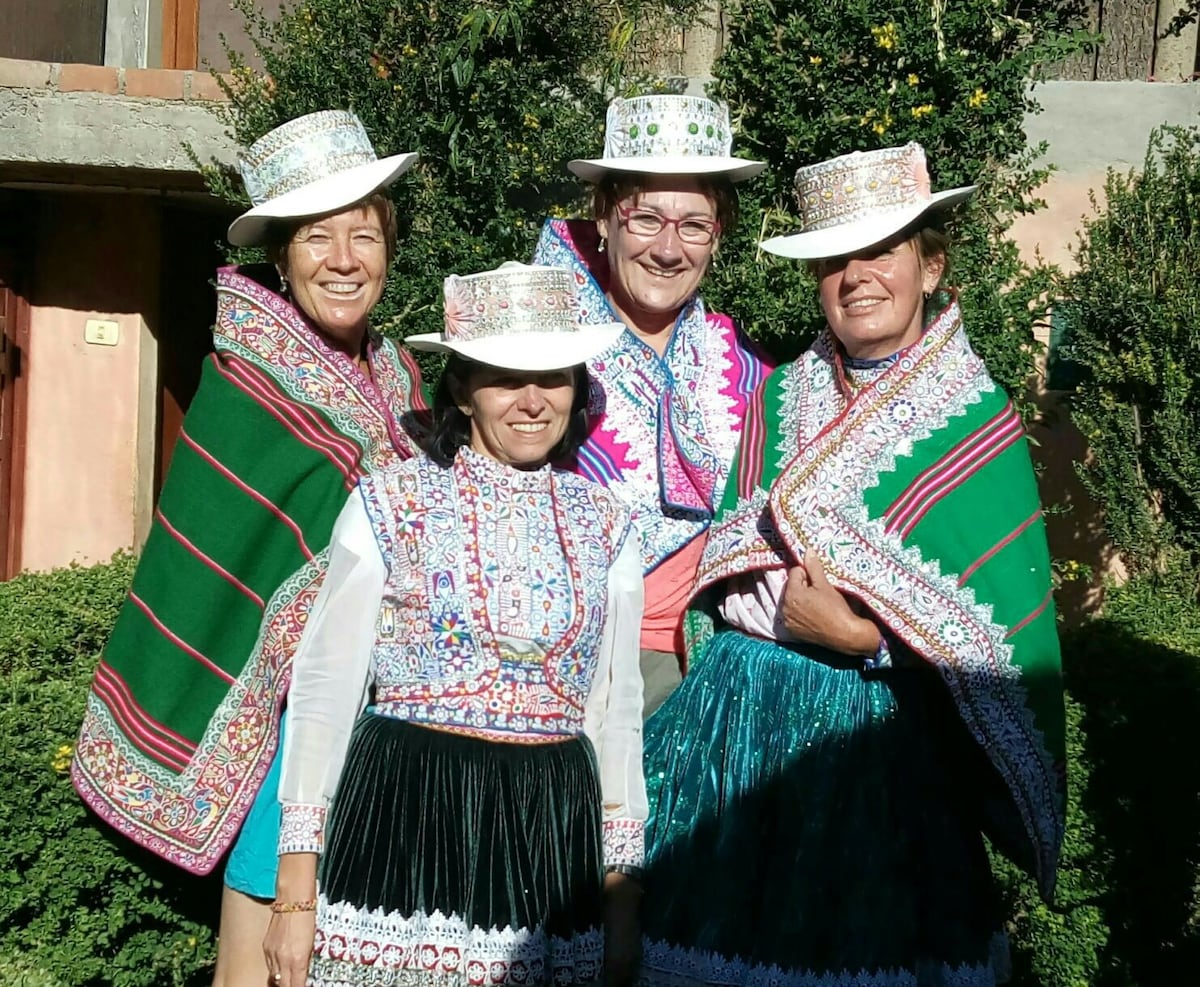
[810,816]
[254,859]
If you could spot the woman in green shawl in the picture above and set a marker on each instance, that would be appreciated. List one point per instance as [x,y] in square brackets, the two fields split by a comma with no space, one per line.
[874,668]
[178,746]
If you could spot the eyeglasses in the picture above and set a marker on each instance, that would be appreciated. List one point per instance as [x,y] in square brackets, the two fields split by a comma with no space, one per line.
[643,223]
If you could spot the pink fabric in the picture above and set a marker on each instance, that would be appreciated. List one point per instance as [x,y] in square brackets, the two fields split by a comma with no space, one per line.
[668,589]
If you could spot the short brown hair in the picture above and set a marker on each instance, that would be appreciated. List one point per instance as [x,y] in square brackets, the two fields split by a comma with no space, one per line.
[280,231]
[617,186]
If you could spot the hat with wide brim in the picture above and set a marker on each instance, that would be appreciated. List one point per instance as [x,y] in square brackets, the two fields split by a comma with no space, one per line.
[856,201]
[311,166]
[521,317]
[667,135]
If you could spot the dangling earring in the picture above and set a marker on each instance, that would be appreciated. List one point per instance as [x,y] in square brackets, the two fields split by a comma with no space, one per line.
[603,243]
[283,283]
[928,295]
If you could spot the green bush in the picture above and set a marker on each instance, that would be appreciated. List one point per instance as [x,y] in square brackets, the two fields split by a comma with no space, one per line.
[810,81]
[1134,302]
[78,905]
[1127,912]
[495,96]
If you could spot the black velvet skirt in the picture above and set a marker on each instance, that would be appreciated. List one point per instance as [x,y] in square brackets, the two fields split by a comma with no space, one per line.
[454,860]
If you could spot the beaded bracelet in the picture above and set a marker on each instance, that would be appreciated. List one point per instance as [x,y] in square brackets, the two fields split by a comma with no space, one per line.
[287,907]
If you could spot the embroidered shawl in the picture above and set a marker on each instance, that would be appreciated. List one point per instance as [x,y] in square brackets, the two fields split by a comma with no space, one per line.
[664,429]
[183,716]
[918,493]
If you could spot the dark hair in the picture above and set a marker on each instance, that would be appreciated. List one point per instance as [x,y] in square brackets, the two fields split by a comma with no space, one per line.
[280,231]
[617,186]
[450,429]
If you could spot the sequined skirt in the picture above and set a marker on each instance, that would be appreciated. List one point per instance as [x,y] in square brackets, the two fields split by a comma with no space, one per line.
[456,861]
[810,825]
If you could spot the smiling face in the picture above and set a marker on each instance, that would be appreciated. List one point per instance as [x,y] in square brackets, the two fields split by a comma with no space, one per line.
[517,417]
[652,277]
[335,266]
[874,300]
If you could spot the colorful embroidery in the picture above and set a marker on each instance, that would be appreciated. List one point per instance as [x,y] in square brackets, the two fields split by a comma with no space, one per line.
[624,842]
[362,946]
[468,609]
[182,798]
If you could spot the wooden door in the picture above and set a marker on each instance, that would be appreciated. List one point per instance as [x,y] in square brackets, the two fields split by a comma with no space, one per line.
[14,344]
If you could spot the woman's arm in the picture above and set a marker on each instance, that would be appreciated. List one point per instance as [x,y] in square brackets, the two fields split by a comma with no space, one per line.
[329,679]
[613,722]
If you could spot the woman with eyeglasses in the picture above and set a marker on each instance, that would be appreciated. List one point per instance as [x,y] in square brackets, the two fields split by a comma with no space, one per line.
[668,398]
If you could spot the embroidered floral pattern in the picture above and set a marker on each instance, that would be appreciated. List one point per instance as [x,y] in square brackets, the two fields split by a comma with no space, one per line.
[302,829]
[385,949]
[624,842]
[302,151]
[492,628]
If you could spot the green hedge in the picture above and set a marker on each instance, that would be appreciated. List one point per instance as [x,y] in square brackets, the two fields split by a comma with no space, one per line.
[78,904]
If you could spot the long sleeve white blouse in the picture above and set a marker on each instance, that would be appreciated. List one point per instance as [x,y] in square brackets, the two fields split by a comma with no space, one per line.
[332,674]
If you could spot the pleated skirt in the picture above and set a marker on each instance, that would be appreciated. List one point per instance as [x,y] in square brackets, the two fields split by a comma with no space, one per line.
[813,826]
[452,860]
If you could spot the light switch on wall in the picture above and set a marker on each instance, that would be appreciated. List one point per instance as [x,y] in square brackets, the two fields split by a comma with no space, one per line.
[102,332]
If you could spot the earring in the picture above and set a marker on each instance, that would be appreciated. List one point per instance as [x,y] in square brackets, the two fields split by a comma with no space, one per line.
[283,283]
[602,245]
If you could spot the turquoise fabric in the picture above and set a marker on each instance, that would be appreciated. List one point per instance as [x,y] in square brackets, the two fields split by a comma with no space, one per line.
[254,859]
[815,818]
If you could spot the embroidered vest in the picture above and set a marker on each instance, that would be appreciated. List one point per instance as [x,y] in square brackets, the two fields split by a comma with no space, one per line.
[496,596]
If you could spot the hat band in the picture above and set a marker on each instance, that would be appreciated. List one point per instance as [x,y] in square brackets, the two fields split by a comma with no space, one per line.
[306,172]
[849,202]
[466,328]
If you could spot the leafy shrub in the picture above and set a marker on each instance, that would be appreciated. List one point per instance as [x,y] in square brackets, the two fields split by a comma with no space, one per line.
[1127,912]
[496,97]
[810,81]
[78,905]
[1134,302]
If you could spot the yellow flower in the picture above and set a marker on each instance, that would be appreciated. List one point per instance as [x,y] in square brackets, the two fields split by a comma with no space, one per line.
[977,99]
[885,36]
[408,51]
[532,122]
[922,111]
[815,59]
[882,125]
[913,78]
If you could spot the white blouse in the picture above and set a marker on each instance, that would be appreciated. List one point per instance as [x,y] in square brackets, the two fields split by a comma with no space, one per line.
[332,674]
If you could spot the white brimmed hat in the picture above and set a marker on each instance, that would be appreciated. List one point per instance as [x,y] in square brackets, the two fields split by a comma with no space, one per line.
[857,200]
[517,317]
[310,166]
[667,135]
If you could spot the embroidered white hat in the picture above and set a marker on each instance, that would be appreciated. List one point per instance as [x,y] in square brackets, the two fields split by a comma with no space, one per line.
[518,317]
[310,166]
[857,200]
[667,135]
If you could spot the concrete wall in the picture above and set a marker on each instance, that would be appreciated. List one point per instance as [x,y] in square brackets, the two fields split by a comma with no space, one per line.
[90,429]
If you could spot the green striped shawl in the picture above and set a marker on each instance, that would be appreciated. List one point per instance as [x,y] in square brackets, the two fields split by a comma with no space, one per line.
[183,717]
[918,493]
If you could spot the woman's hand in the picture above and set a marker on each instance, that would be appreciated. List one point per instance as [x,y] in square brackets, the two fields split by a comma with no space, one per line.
[288,947]
[622,930]
[288,944]
[814,611]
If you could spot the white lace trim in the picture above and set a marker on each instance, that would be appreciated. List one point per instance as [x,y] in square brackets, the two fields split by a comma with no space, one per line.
[373,948]
[301,828]
[664,965]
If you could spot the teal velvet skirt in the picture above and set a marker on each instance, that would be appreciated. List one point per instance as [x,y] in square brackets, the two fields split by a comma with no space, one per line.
[813,825]
[453,861]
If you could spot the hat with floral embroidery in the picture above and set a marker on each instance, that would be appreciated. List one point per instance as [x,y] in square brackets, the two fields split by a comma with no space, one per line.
[855,201]
[667,135]
[517,317]
[310,166]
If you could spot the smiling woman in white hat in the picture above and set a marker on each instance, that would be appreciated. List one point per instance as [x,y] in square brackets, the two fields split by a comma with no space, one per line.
[298,400]
[490,603]
[875,666]
[669,397]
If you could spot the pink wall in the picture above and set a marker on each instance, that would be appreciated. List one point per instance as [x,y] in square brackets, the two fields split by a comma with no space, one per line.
[96,257]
